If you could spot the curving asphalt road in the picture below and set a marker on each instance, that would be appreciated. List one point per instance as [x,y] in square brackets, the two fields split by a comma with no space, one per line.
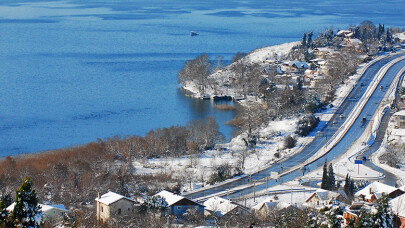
[330,128]
[389,178]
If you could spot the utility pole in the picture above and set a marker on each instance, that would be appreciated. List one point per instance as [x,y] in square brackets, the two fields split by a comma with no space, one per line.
[291,195]
[254,192]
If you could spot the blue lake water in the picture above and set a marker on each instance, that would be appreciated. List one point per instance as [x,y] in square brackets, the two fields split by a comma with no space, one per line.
[74,71]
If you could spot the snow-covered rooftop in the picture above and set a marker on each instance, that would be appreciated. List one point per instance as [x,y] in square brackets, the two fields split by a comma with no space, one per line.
[326,49]
[324,195]
[355,41]
[343,32]
[398,205]
[375,187]
[111,197]
[219,205]
[170,198]
[400,36]
[272,204]
[44,207]
[400,113]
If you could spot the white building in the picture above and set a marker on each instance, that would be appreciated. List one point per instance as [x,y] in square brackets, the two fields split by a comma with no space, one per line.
[270,206]
[375,190]
[112,205]
[223,207]
[49,212]
[322,197]
[178,205]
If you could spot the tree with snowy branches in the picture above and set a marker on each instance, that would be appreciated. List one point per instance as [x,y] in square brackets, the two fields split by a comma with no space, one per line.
[3,213]
[364,219]
[334,214]
[155,204]
[383,217]
[27,212]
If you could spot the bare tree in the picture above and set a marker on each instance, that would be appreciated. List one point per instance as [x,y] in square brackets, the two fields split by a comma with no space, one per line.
[197,71]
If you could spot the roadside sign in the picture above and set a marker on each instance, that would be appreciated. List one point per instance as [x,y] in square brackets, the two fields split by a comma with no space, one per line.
[358,162]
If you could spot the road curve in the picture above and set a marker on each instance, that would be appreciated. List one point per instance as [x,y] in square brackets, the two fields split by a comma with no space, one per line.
[353,133]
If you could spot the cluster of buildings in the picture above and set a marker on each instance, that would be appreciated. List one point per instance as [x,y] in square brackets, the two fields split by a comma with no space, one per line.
[366,199]
[115,206]
[112,205]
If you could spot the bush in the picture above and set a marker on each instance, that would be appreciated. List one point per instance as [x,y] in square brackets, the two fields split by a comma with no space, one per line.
[277,155]
[223,172]
[289,142]
[306,125]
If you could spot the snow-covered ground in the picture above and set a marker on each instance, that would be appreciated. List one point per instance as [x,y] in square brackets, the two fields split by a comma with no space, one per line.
[344,164]
[400,36]
[197,169]
[391,137]
[289,192]
[260,56]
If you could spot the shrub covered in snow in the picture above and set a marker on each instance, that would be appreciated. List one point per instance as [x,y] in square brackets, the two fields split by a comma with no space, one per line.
[289,142]
[223,172]
[306,125]
[155,204]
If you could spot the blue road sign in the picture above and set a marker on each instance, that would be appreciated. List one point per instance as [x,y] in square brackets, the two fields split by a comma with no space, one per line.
[358,162]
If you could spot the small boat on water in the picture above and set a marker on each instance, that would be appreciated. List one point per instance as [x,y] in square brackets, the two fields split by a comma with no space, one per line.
[192,33]
[206,97]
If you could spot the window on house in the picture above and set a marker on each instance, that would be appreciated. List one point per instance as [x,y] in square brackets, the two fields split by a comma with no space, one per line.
[101,208]
[178,207]
[119,211]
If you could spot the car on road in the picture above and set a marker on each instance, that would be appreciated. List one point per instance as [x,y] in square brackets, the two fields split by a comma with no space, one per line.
[341,116]
[362,84]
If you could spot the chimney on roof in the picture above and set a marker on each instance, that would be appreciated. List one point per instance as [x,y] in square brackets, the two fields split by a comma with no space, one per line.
[370,190]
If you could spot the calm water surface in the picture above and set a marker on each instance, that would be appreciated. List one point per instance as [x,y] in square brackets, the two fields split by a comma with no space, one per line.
[74,71]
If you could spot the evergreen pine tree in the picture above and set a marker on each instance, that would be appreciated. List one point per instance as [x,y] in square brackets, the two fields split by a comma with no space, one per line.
[331,177]
[304,40]
[8,199]
[364,220]
[388,36]
[27,212]
[351,189]
[349,186]
[309,40]
[383,217]
[325,177]
[334,213]
[379,32]
[3,213]
[346,187]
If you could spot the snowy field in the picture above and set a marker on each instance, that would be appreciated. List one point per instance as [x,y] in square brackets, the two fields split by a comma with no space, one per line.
[197,169]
